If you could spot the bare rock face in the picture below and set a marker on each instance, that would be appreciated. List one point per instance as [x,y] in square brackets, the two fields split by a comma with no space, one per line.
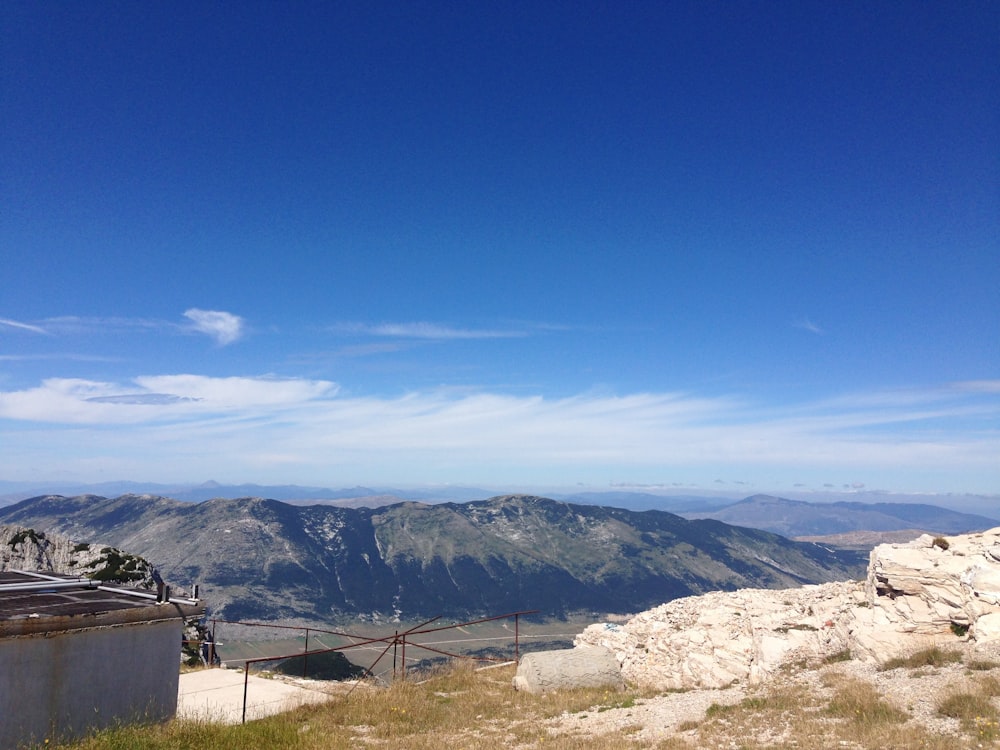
[714,640]
[930,590]
[927,592]
[27,549]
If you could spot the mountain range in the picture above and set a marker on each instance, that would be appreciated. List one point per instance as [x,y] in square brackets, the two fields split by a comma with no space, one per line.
[796,518]
[266,559]
[822,514]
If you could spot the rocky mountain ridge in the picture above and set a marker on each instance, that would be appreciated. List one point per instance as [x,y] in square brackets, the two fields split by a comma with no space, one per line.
[811,514]
[264,559]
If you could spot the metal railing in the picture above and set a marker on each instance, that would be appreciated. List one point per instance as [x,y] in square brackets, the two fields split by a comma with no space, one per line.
[397,643]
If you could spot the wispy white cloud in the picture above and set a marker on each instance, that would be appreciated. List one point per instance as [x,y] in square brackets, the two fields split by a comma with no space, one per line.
[157,399]
[369,349]
[241,426]
[424,330]
[807,325]
[141,399]
[979,386]
[65,356]
[224,327]
[239,392]
[81,325]
[22,326]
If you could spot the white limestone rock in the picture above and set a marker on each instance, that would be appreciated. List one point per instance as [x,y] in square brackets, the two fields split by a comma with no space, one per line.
[927,592]
[724,637]
[986,628]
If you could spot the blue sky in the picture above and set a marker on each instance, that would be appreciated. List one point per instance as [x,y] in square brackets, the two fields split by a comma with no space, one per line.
[690,245]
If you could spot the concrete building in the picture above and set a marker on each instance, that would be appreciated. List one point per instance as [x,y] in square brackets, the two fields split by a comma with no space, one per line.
[76,655]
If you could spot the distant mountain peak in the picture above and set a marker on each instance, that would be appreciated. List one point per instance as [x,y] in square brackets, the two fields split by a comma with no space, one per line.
[797,518]
[762,499]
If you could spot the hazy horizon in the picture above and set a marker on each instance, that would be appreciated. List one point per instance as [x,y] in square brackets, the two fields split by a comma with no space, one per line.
[984,504]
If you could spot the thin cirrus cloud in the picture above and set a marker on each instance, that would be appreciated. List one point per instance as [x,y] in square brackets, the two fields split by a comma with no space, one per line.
[224,327]
[242,425]
[74,325]
[66,356]
[220,325]
[978,386]
[807,325]
[425,330]
[20,326]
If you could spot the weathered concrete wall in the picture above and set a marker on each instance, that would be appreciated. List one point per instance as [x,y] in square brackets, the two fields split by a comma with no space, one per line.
[62,685]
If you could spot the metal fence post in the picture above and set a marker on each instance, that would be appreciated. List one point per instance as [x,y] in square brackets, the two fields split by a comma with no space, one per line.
[246,681]
[517,637]
[305,656]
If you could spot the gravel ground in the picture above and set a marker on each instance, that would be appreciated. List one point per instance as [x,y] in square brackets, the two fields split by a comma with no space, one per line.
[914,690]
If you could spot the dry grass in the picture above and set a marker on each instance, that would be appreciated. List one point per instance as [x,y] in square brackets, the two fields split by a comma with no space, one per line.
[928,657]
[854,716]
[478,710]
[859,702]
[975,708]
[981,665]
[456,707]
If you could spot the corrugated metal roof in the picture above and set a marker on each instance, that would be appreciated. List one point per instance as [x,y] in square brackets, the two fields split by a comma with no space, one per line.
[33,602]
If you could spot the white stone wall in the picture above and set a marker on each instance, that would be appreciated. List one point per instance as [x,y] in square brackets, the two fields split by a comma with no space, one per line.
[62,685]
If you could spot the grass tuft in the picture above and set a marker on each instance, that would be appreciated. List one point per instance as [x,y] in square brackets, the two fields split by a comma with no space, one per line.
[860,702]
[976,713]
[988,685]
[981,665]
[928,657]
[840,656]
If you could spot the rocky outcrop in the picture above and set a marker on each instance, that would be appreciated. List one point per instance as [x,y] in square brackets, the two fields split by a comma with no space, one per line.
[928,592]
[24,548]
[724,637]
[930,589]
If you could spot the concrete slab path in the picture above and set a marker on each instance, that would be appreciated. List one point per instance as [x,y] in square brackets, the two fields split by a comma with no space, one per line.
[216,695]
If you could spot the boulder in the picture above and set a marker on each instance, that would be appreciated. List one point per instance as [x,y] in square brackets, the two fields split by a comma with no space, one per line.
[580,667]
